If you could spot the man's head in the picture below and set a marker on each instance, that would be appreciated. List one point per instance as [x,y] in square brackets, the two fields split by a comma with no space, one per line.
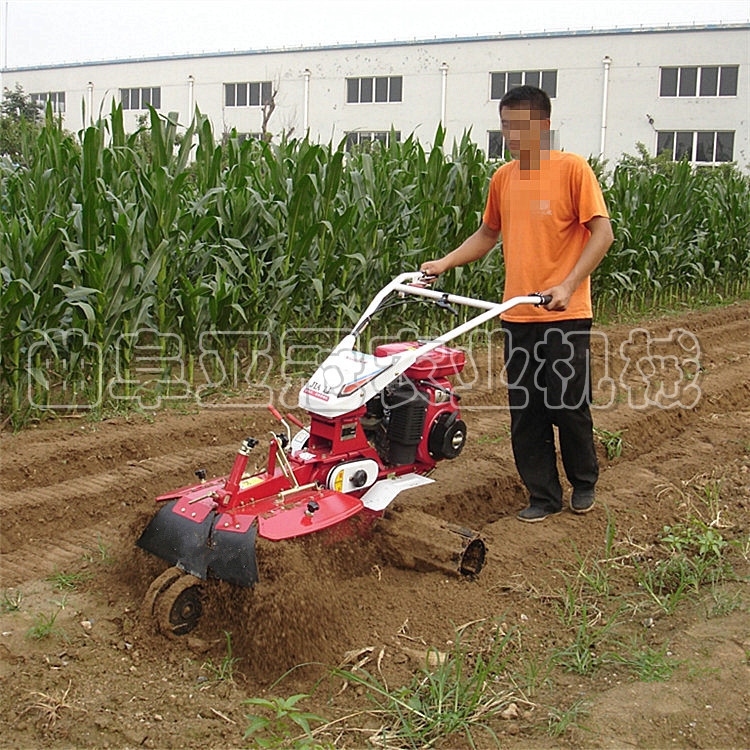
[525,118]
[527,97]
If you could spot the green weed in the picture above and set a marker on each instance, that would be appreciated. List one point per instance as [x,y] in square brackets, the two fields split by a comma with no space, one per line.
[534,675]
[11,601]
[692,553]
[458,693]
[667,583]
[44,626]
[590,647]
[279,724]
[101,554]
[648,664]
[724,603]
[68,581]
[493,439]
[561,720]
[223,671]
[612,441]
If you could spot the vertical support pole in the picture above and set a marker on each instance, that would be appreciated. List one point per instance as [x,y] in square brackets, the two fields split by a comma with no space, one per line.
[607,62]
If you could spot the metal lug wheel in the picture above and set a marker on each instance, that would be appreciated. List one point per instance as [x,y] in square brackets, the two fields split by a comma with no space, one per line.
[175,600]
[179,608]
[158,587]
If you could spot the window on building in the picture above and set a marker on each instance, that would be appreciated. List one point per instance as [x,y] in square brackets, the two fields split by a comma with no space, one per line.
[248,94]
[56,98]
[701,147]
[495,144]
[358,137]
[375,89]
[141,98]
[707,80]
[500,83]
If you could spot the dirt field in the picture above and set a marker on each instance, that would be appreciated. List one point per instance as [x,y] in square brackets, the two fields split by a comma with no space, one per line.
[75,495]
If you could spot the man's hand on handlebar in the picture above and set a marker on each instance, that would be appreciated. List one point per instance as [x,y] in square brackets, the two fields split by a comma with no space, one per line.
[432,267]
[424,280]
[559,298]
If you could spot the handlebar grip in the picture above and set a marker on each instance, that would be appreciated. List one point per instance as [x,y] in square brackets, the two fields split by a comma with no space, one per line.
[424,280]
[275,412]
[544,299]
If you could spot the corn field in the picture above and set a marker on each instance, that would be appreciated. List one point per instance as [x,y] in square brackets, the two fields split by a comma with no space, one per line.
[163,250]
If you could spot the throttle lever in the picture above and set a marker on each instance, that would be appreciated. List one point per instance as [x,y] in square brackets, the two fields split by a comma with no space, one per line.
[443,303]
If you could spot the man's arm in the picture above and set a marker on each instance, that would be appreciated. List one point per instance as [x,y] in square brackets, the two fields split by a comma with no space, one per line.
[595,249]
[473,248]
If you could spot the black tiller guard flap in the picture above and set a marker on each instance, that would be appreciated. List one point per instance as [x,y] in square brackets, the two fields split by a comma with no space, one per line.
[199,548]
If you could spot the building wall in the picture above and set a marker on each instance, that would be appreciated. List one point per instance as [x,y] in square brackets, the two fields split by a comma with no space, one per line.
[635,110]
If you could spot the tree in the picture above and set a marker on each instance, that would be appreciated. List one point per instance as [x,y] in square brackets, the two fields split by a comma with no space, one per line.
[18,113]
[18,106]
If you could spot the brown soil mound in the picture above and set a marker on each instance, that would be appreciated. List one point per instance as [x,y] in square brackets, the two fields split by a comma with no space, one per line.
[75,495]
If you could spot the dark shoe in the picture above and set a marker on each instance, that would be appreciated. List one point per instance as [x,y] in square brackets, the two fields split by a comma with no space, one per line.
[582,501]
[535,513]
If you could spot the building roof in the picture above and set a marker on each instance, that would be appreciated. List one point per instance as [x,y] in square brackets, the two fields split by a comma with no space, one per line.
[398,43]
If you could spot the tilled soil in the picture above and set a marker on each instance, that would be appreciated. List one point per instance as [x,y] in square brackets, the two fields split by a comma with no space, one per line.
[76,494]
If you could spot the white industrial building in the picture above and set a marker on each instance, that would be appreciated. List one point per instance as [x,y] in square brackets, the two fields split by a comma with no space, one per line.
[685,90]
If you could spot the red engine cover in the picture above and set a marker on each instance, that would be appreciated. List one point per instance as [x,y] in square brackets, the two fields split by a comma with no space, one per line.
[438,363]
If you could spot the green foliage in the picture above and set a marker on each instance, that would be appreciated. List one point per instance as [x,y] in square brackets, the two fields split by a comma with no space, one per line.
[612,441]
[11,601]
[560,721]
[280,722]
[18,117]
[679,231]
[591,644]
[224,670]
[648,664]
[101,554]
[454,694]
[44,626]
[212,254]
[692,554]
[18,106]
[68,581]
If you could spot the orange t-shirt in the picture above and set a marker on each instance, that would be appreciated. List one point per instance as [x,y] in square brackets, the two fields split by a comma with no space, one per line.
[541,215]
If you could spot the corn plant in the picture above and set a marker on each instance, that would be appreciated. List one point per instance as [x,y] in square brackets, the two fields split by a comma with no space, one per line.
[110,239]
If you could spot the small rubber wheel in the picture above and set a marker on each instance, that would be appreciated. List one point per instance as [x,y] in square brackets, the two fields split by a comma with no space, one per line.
[159,585]
[179,608]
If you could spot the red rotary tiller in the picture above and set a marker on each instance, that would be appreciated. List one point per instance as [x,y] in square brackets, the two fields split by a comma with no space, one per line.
[378,425]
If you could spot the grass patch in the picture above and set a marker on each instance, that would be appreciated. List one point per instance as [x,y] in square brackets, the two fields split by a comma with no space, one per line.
[69,581]
[460,693]
[50,706]
[44,626]
[612,441]
[648,664]
[99,554]
[590,646]
[224,671]
[560,721]
[11,601]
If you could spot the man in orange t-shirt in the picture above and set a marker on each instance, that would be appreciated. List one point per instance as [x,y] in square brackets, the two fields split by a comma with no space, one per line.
[555,228]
